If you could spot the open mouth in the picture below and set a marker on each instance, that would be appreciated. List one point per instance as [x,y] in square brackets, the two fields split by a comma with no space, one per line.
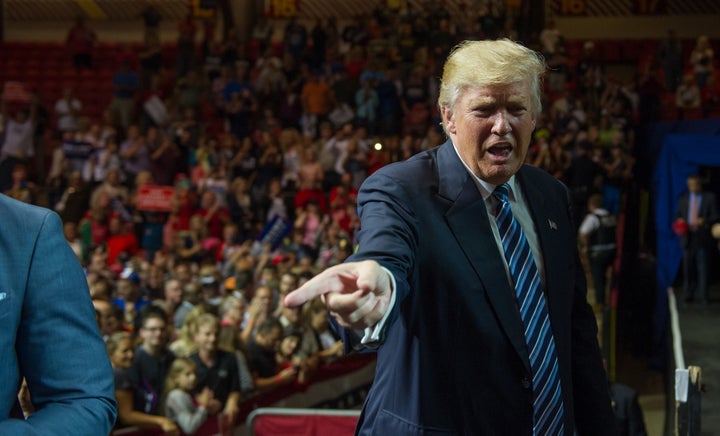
[500,151]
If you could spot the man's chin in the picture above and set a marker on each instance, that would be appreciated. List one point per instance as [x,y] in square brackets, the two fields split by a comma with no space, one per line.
[498,174]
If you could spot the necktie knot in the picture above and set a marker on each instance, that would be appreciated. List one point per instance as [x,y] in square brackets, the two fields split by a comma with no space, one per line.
[501,192]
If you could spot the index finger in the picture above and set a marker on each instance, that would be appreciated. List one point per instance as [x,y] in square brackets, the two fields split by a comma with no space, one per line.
[334,279]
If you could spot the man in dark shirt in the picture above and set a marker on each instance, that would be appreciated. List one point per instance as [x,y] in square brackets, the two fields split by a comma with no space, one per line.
[583,179]
[151,362]
[216,369]
[261,356]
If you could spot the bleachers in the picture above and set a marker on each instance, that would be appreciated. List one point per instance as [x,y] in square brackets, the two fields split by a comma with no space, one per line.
[46,68]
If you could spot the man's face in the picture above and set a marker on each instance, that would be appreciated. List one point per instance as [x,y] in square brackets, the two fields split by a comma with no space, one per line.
[287,283]
[491,127]
[292,314]
[173,292]
[270,340]
[264,297]
[694,185]
[154,333]
[206,337]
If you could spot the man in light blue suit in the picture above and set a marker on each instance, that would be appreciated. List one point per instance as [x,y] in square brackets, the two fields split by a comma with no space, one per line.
[48,331]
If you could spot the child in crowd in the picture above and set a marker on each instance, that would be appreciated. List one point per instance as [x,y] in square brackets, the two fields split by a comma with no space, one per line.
[180,406]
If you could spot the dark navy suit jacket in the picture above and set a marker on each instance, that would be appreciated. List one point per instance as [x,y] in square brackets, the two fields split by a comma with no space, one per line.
[707,211]
[48,330]
[454,359]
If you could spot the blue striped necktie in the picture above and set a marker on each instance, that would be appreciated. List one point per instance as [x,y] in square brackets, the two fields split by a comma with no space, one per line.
[547,395]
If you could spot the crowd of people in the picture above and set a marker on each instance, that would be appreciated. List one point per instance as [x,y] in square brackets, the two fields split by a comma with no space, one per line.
[188,298]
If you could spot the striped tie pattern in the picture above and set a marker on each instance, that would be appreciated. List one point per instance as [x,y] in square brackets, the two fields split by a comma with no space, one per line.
[547,396]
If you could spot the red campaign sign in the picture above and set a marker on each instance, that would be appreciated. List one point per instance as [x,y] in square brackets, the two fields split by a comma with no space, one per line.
[155,198]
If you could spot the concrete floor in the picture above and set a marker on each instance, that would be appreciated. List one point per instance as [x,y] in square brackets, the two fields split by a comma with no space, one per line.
[700,326]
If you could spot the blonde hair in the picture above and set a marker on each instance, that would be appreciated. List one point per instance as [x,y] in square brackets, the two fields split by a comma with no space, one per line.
[184,345]
[179,365]
[113,342]
[206,319]
[486,63]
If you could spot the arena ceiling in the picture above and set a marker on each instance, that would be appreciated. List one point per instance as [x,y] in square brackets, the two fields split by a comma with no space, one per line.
[67,10]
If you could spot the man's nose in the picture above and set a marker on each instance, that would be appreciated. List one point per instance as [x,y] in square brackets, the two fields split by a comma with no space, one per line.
[501,124]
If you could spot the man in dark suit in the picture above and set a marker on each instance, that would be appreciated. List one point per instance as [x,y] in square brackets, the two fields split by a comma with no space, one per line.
[697,210]
[49,332]
[432,288]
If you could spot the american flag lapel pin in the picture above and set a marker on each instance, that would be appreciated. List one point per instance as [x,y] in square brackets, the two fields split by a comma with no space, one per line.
[552,224]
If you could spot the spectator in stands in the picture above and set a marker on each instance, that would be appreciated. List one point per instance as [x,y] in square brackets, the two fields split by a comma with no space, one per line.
[186,45]
[150,57]
[311,222]
[670,55]
[414,103]
[217,369]
[310,179]
[121,241]
[151,21]
[128,296]
[698,211]
[184,345]
[702,58]
[295,38]
[241,208]
[172,298]
[18,145]
[316,315]
[81,41]
[22,189]
[262,359]
[367,102]
[67,111]
[259,309]
[214,215]
[152,360]
[304,354]
[618,172]
[120,349]
[135,153]
[317,101]
[584,177]
[180,406]
[110,318]
[597,235]
[687,96]
[288,282]
[125,83]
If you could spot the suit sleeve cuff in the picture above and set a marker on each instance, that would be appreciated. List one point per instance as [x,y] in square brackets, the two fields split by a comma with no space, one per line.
[374,336]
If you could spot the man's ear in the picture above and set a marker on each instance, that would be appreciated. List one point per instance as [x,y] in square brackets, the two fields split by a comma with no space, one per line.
[448,119]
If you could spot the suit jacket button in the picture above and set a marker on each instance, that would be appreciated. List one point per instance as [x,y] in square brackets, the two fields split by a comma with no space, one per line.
[526,383]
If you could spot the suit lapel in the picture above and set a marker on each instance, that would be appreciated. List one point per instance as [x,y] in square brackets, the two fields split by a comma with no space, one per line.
[468,221]
[546,219]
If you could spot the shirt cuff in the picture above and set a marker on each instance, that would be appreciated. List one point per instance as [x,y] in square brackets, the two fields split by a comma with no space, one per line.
[372,337]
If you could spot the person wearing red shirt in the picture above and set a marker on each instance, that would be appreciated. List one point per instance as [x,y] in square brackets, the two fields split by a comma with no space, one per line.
[215,216]
[121,240]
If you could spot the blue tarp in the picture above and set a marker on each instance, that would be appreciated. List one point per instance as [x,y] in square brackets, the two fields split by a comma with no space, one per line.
[680,156]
